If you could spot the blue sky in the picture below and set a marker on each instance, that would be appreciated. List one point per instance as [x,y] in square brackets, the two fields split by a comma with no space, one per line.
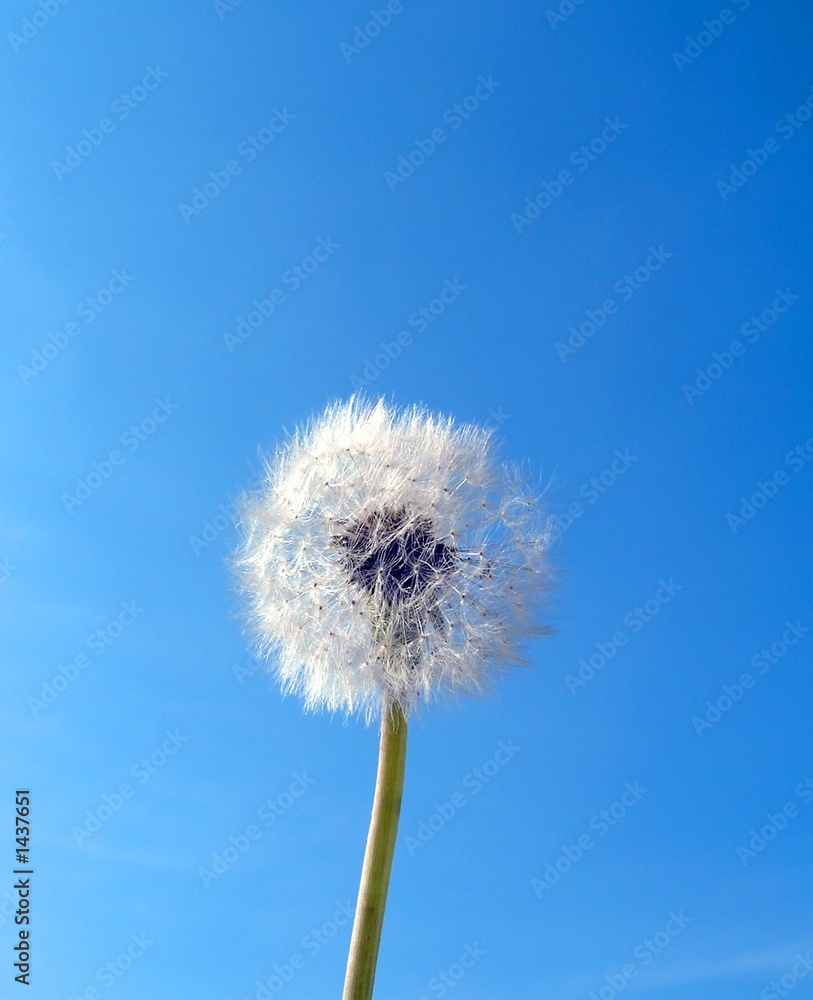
[586,225]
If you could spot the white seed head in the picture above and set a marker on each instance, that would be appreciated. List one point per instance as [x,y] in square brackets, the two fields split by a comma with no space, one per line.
[389,557]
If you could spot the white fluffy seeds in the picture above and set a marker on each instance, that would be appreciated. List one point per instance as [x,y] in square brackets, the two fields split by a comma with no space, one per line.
[388,555]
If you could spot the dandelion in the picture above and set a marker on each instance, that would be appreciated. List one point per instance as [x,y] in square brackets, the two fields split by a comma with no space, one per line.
[389,559]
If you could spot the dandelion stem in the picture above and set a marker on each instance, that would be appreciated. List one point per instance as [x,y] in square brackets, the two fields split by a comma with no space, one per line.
[375,872]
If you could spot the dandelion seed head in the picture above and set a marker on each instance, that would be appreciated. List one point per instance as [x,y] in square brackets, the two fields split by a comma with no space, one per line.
[388,555]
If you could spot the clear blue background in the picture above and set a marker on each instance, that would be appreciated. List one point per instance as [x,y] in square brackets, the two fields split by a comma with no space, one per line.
[491,356]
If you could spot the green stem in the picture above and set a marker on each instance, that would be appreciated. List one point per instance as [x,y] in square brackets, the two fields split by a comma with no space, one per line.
[375,872]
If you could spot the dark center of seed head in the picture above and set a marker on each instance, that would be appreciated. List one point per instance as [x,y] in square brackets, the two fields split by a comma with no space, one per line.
[395,554]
